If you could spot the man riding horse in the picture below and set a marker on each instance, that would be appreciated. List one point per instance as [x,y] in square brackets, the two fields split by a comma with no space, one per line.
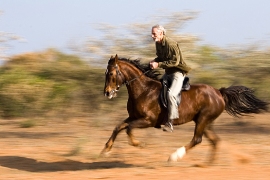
[169,57]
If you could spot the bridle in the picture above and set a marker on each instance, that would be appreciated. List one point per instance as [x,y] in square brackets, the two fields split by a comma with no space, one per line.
[119,73]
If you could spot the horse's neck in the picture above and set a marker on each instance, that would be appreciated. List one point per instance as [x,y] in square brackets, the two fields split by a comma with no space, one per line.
[136,86]
[144,85]
[136,81]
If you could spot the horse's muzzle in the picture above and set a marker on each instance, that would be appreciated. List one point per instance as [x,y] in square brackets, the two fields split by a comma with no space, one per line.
[111,94]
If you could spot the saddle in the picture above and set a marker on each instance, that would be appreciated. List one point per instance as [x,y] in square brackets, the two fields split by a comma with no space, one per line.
[165,87]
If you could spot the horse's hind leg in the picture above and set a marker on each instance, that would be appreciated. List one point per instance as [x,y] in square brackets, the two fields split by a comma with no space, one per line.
[214,139]
[109,144]
[200,126]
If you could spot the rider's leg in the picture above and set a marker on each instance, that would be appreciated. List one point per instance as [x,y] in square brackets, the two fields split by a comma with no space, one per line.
[177,79]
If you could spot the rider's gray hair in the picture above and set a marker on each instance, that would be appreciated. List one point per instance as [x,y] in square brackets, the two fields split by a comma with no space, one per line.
[160,28]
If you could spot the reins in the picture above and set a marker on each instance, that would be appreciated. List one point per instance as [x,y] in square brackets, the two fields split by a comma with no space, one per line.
[118,72]
[127,82]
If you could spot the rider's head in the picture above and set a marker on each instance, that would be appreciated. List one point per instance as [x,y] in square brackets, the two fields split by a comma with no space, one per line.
[157,33]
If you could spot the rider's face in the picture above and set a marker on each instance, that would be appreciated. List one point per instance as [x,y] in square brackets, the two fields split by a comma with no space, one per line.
[157,35]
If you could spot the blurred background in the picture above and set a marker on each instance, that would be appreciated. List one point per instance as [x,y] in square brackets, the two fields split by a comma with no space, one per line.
[54,53]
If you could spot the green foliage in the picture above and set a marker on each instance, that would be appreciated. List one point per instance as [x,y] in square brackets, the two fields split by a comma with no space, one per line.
[55,84]
[49,82]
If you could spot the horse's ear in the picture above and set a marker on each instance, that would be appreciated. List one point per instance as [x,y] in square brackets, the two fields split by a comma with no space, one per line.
[115,59]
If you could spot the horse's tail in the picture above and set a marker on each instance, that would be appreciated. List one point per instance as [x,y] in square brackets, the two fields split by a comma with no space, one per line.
[240,100]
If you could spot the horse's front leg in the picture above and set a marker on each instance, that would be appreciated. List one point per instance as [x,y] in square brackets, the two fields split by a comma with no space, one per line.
[109,144]
[140,123]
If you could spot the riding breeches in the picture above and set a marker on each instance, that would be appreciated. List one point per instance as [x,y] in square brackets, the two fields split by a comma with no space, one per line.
[176,80]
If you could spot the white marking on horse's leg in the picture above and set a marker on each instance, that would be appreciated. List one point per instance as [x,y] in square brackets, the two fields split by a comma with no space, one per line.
[178,154]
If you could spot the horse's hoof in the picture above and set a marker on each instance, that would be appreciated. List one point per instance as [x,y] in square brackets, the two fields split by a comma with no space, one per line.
[173,157]
[138,144]
[201,165]
[104,154]
[142,145]
[178,154]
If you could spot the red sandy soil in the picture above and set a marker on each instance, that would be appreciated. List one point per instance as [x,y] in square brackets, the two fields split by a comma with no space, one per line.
[69,150]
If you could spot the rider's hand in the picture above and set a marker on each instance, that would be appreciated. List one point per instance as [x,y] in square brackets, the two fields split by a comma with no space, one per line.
[153,65]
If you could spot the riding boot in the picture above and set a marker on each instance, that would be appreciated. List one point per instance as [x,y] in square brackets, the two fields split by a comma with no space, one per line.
[168,126]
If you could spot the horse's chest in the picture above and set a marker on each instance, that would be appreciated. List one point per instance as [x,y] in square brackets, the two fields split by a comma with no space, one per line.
[135,105]
[142,106]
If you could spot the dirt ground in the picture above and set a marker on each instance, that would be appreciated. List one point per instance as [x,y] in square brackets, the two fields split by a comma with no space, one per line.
[69,150]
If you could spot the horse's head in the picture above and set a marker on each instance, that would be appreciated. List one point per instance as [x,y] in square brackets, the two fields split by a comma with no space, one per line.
[114,78]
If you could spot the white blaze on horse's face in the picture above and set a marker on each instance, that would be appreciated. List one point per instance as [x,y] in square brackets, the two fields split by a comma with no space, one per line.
[110,89]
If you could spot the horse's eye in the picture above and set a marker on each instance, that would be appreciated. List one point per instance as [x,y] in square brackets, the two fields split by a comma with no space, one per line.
[110,73]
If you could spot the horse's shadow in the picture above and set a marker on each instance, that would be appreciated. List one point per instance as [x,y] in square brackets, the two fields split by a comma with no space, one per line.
[32,165]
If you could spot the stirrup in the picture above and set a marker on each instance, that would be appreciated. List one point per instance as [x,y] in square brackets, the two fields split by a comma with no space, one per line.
[168,127]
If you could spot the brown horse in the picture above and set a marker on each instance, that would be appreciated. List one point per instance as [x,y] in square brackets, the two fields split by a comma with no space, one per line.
[201,104]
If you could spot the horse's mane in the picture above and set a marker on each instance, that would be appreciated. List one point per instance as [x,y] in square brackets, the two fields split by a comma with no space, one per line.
[145,68]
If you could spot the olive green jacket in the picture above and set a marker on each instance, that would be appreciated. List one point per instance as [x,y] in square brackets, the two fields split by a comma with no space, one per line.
[169,57]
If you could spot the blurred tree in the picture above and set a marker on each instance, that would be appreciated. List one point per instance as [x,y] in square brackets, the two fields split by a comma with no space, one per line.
[134,40]
[215,66]
[49,82]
